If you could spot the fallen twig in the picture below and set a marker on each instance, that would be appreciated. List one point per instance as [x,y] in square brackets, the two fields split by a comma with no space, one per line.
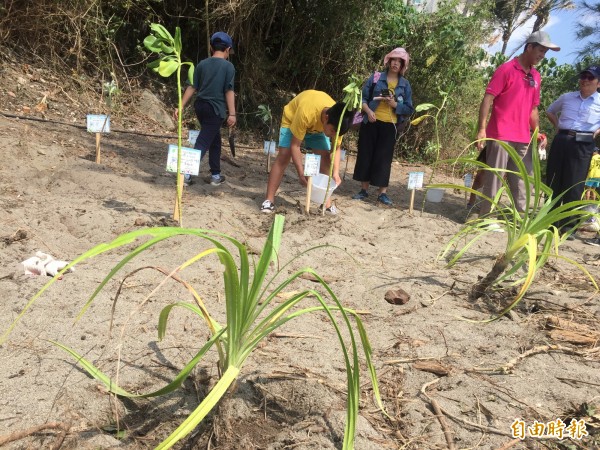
[508,367]
[459,419]
[442,420]
[33,430]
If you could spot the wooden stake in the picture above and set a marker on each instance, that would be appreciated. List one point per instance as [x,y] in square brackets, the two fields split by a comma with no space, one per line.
[269,162]
[346,166]
[97,148]
[412,201]
[308,193]
[176,215]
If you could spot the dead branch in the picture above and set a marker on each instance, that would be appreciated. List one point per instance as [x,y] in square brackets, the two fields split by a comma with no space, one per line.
[508,367]
[442,420]
[36,429]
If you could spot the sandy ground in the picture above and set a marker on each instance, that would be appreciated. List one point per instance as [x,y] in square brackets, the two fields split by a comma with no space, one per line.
[291,391]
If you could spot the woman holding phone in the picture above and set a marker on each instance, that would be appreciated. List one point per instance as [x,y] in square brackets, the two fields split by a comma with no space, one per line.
[386,104]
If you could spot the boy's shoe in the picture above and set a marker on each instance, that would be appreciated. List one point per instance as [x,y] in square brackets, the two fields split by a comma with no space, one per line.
[216,180]
[187,180]
[590,225]
[595,242]
[267,207]
[361,195]
[332,210]
[383,198]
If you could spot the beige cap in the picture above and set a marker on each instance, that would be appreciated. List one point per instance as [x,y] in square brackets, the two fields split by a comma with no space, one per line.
[542,38]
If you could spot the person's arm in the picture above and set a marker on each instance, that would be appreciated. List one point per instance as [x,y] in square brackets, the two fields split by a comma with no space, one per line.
[553,118]
[297,159]
[484,110]
[187,95]
[367,89]
[534,119]
[230,100]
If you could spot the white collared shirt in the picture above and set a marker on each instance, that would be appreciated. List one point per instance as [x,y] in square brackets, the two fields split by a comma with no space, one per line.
[577,113]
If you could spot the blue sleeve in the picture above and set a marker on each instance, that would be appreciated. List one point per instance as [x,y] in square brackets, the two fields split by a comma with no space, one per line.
[196,83]
[366,90]
[406,108]
[229,78]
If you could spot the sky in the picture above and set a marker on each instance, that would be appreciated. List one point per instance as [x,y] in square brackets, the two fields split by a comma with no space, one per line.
[561,28]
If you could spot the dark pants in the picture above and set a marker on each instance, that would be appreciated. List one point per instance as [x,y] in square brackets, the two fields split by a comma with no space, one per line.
[376,143]
[567,168]
[209,138]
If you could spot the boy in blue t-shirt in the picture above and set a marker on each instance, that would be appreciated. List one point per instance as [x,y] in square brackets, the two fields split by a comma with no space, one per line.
[215,102]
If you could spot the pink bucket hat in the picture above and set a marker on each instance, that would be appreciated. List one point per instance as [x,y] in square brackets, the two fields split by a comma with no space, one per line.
[398,53]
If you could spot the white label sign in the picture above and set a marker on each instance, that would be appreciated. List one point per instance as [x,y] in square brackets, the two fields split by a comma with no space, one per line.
[415,180]
[190,160]
[192,136]
[312,163]
[98,123]
[269,147]
[468,180]
[343,155]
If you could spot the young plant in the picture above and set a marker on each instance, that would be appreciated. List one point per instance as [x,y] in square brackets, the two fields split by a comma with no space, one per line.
[169,62]
[532,237]
[251,315]
[436,146]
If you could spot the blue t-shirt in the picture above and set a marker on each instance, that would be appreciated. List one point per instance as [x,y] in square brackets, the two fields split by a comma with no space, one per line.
[213,77]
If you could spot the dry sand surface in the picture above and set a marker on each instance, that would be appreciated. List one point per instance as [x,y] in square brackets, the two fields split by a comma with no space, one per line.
[291,393]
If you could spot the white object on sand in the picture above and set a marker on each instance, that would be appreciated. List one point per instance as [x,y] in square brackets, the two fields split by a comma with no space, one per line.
[44,264]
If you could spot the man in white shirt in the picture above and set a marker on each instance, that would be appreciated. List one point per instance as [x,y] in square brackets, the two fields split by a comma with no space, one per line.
[576,117]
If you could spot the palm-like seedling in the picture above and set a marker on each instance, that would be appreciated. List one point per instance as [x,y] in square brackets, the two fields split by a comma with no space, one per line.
[169,50]
[250,316]
[532,237]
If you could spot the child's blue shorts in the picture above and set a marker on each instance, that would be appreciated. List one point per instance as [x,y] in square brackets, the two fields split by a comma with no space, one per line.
[314,141]
[592,182]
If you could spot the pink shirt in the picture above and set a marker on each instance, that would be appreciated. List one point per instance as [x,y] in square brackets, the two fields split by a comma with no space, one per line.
[514,99]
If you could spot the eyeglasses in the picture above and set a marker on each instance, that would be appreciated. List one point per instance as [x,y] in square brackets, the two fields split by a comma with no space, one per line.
[587,76]
[530,80]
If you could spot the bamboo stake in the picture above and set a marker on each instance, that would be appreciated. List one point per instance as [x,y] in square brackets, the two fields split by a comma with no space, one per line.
[97,148]
[308,193]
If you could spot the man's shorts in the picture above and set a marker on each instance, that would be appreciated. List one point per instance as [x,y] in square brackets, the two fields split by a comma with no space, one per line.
[314,141]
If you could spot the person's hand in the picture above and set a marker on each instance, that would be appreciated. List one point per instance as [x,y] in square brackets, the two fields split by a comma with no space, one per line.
[176,114]
[481,135]
[371,116]
[231,121]
[337,179]
[303,180]
[543,142]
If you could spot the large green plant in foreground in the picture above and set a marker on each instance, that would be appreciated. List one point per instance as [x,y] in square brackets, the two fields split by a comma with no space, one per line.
[250,316]
[532,237]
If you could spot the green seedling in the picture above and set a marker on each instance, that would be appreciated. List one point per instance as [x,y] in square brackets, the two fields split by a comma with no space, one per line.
[169,50]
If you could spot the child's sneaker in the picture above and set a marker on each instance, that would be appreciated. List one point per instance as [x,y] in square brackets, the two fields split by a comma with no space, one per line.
[362,194]
[332,210]
[187,180]
[590,225]
[267,207]
[216,180]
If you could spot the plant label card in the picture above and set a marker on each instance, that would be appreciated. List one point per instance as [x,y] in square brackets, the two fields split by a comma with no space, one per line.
[343,155]
[469,180]
[269,147]
[190,160]
[415,180]
[312,164]
[98,123]
[192,136]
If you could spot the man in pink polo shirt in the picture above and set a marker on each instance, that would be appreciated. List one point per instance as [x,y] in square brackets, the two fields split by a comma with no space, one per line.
[513,94]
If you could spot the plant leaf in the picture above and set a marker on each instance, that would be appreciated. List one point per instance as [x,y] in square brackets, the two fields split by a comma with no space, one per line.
[424,107]
[166,68]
